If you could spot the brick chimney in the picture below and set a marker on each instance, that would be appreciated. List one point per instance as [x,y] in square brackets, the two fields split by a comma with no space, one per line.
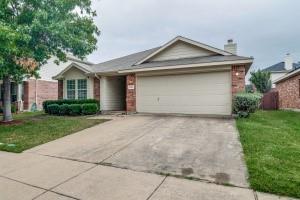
[231,47]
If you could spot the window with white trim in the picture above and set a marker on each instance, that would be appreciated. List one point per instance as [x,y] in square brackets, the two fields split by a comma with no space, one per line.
[82,88]
[71,89]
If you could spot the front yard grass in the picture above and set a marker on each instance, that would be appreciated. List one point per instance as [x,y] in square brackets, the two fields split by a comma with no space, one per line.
[271,142]
[38,128]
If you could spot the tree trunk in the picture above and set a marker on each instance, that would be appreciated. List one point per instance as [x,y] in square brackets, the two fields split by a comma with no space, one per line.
[7,116]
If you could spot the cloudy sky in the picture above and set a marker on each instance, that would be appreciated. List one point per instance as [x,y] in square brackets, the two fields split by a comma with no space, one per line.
[264,29]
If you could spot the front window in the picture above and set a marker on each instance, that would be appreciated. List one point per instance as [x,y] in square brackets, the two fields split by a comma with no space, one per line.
[82,88]
[14,91]
[71,93]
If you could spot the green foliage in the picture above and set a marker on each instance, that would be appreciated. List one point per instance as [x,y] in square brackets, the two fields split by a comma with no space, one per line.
[35,30]
[75,109]
[246,103]
[67,101]
[64,109]
[271,143]
[53,109]
[249,88]
[13,109]
[89,108]
[38,128]
[261,80]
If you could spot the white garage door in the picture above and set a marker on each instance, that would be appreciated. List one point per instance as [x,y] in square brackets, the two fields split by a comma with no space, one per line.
[203,93]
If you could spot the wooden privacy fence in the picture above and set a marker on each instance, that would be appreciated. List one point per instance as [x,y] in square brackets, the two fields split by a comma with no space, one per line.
[270,101]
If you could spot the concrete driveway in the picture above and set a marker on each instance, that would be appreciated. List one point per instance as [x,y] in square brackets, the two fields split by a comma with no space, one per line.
[90,165]
[193,147]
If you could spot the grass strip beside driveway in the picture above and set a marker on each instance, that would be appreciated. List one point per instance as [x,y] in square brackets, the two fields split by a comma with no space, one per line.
[39,128]
[271,142]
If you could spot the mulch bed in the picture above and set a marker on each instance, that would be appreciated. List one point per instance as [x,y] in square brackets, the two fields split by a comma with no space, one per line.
[11,123]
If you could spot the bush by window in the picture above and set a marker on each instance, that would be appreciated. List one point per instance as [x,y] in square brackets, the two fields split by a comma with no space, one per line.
[53,109]
[64,109]
[75,109]
[68,101]
[89,109]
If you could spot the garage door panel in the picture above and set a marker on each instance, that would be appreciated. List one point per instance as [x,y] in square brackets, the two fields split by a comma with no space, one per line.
[208,100]
[218,110]
[203,93]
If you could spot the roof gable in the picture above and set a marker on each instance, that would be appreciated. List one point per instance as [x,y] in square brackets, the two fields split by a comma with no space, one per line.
[180,50]
[291,74]
[181,47]
[79,66]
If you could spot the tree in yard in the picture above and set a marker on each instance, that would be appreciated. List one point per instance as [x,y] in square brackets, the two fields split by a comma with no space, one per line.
[261,80]
[32,31]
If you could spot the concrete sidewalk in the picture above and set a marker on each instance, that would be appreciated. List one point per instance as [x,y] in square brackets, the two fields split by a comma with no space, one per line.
[31,176]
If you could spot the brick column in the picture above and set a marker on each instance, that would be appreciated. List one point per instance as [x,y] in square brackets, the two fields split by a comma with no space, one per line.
[96,88]
[26,95]
[131,93]
[238,78]
[60,89]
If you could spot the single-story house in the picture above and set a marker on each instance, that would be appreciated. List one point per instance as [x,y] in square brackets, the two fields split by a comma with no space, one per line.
[280,69]
[31,93]
[182,76]
[288,88]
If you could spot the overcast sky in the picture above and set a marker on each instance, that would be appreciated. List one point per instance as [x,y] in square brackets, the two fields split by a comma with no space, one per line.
[264,29]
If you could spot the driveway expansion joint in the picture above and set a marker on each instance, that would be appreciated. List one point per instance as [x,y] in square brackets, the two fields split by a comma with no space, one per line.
[157,188]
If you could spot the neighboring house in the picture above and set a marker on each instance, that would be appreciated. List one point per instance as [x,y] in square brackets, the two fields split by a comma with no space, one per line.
[182,76]
[282,68]
[288,88]
[31,93]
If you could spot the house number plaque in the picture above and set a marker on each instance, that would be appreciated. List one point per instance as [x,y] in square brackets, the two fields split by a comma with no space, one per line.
[130,87]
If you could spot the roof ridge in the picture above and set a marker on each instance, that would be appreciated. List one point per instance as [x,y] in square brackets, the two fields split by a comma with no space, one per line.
[114,59]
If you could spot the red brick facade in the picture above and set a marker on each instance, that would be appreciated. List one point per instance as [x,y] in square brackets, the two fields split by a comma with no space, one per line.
[131,93]
[96,88]
[60,89]
[238,73]
[37,91]
[289,93]
[25,95]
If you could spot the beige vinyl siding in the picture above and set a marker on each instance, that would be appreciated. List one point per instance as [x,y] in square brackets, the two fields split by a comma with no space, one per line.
[112,93]
[181,50]
[275,76]
[202,93]
[75,74]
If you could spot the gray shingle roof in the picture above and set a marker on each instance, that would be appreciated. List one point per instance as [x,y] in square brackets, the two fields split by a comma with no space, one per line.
[186,61]
[280,67]
[123,62]
[127,62]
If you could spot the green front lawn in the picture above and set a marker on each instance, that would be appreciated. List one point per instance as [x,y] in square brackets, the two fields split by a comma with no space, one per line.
[271,142]
[38,128]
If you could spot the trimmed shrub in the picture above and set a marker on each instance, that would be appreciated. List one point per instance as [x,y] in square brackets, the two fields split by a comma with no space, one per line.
[246,103]
[53,109]
[75,109]
[89,108]
[68,101]
[64,109]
